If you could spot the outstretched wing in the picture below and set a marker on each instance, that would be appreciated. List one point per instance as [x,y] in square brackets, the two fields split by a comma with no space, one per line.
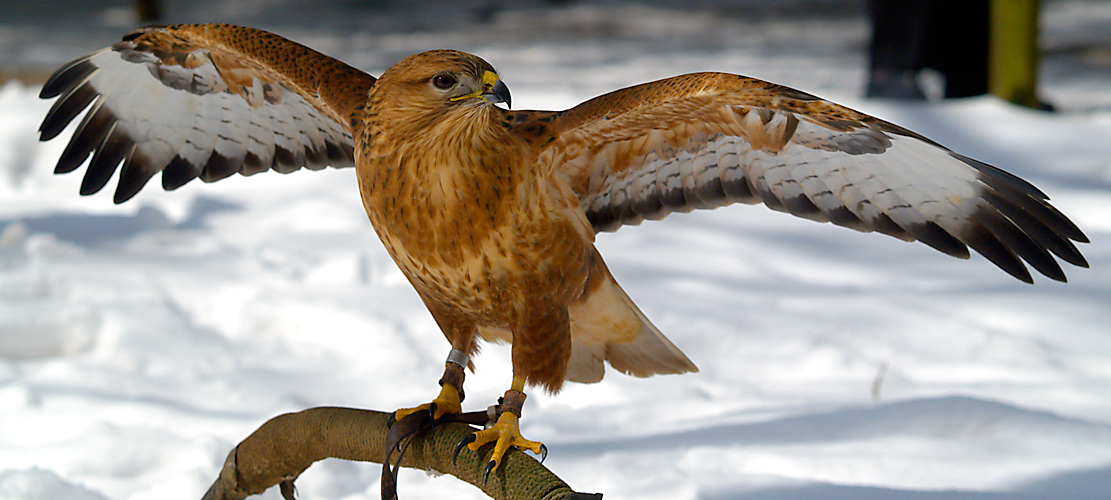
[202,101]
[709,139]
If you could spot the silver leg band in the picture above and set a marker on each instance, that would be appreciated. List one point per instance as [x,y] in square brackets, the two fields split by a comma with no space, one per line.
[491,416]
[458,357]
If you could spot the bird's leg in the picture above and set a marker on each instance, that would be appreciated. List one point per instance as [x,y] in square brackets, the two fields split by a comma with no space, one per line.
[506,431]
[450,399]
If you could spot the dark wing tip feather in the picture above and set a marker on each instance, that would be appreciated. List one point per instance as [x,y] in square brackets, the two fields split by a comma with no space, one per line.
[178,172]
[339,153]
[1046,232]
[89,134]
[1037,207]
[218,167]
[885,225]
[984,242]
[708,194]
[64,110]
[802,206]
[673,199]
[649,207]
[604,220]
[937,238]
[1020,216]
[842,216]
[252,164]
[71,83]
[738,189]
[286,161]
[67,77]
[1020,243]
[108,155]
[134,174]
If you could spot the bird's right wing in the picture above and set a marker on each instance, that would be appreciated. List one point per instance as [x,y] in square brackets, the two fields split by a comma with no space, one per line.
[202,101]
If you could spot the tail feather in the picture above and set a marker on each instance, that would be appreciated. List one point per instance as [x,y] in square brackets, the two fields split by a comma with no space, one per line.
[650,352]
[607,326]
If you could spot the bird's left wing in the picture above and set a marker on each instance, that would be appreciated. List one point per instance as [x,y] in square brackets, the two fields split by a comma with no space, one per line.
[202,101]
[709,139]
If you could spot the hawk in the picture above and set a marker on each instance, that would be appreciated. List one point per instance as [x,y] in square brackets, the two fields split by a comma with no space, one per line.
[491,213]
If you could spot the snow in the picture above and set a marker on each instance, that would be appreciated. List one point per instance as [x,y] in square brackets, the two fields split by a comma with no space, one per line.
[140,342]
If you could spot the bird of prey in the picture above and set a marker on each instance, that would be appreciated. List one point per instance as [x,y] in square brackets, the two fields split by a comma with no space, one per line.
[491,213]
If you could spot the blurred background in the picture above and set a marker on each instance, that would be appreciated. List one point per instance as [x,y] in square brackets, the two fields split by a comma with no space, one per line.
[818,45]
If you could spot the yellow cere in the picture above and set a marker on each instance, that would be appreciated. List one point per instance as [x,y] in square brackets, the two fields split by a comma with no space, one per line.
[489,78]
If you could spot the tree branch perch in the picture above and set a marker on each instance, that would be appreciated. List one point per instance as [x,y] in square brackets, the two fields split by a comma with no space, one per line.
[282,448]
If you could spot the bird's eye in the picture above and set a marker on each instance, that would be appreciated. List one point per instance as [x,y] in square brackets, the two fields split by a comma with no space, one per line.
[443,82]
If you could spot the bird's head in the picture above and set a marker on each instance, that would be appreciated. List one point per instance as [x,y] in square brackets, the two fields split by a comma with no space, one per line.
[440,80]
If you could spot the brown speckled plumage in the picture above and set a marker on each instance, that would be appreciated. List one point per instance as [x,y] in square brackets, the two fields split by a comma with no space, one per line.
[454,194]
[491,213]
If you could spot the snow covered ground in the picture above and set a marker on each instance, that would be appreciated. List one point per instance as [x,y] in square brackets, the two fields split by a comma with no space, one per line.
[139,343]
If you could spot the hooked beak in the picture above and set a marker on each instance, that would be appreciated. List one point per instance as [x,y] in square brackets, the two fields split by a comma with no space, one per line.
[496,91]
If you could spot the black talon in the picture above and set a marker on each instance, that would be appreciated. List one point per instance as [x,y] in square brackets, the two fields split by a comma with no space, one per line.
[489,468]
[543,452]
[289,491]
[459,447]
[390,420]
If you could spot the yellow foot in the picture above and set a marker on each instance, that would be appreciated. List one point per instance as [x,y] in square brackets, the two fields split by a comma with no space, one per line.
[504,433]
[445,404]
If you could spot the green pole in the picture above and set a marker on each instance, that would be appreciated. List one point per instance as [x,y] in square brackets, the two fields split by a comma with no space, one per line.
[1013,59]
